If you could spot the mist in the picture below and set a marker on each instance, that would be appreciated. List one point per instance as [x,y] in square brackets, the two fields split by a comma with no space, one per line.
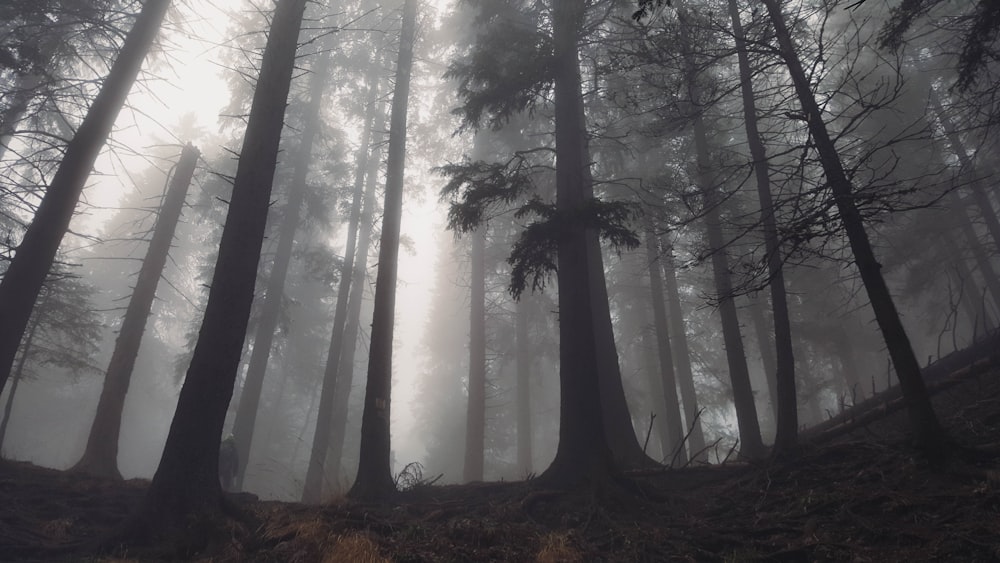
[431,243]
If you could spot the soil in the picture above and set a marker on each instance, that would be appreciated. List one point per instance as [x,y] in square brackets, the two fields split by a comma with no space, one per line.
[862,495]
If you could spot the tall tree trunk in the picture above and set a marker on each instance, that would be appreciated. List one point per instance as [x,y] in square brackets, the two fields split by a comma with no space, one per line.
[313,488]
[246,412]
[765,343]
[100,457]
[345,367]
[848,364]
[523,343]
[928,434]
[651,366]
[186,482]
[979,193]
[786,434]
[374,480]
[27,270]
[583,455]
[18,375]
[751,445]
[625,447]
[972,296]
[682,356]
[979,253]
[673,445]
[475,425]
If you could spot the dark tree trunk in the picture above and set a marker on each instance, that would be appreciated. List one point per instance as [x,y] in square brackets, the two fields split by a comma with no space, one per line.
[100,457]
[345,367]
[765,344]
[522,334]
[927,432]
[625,447]
[583,455]
[972,296]
[27,270]
[848,364]
[313,488]
[651,366]
[787,423]
[682,357]
[186,483]
[18,375]
[374,480]
[786,434]
[751,445]
[622,440]
[986,210]
[246,411]
[979,253]
[475,425]
[673,445]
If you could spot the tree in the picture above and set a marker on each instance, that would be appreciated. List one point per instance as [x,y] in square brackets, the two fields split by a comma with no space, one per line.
[63,333]
[682,355]
[751,444]
[497,84]
[41,40]
[927,431]
[523,360]
[186,482]
[100,457]
[345,364]
[583,455]
[37,250]
[673,445]
[475,426]
[374,480]
[978,36]
[355,259]
[784,374]
[246,412]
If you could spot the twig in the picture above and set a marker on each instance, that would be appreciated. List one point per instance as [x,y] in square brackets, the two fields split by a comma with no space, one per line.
[649,431]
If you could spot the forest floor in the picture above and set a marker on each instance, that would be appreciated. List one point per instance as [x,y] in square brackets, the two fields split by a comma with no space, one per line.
[864,495]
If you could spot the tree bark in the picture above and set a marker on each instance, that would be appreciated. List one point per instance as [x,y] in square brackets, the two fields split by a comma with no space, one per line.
[673,442]
[979,253]
[374,480]
[475,425]
[765,343]
[972,296]
[787,423]
[313,489]
[186,483]
[927,432]
[751,445]
[583,455]
[986,210]
[682,357]
[345,366]
[246,411]
[29,266]
[29,339]
[100,457]
[522,336]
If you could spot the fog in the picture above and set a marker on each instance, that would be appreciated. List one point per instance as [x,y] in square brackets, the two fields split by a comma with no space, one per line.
[666,145]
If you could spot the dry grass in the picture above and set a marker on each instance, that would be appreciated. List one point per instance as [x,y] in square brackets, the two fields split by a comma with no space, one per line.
[354,548]
[556,548]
